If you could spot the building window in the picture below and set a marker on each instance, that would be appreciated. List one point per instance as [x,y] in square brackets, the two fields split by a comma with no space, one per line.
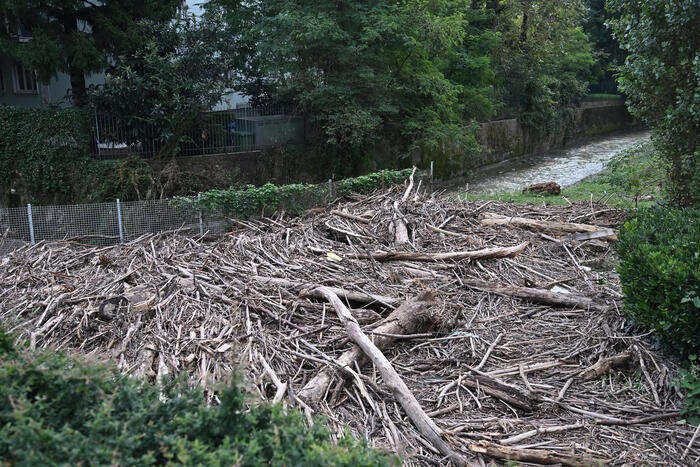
[24,80]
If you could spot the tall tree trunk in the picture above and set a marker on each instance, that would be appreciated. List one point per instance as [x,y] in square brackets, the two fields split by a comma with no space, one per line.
[77,84]
[523,30]
[76,74]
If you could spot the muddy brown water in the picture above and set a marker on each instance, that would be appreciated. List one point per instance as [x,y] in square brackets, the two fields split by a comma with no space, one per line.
[565,166]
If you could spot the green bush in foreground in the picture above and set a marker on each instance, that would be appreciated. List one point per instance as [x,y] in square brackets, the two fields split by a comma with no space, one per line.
[660,272]
[60,410]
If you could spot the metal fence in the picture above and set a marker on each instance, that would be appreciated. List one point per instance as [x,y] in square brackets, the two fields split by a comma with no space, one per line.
[101,223]
[217,132]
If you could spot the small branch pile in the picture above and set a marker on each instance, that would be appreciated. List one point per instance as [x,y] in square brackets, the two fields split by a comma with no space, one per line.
[439,329]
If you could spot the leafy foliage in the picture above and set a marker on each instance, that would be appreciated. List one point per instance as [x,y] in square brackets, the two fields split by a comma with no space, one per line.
[390,76]
[660,272]
[43,153]
[159,90]
[60,410]
[690,384]
[251,200]
[75,36]
[660,78]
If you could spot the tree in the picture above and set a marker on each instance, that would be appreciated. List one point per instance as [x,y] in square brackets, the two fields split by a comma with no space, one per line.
[77,37]
[660,78]
[371,76]
[159,91]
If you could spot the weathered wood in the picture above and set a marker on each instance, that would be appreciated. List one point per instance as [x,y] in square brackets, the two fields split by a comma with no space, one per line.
[308,290]
[400,228]
[508,394]
[496,252]
[425,425]
[536,295]
[353,217]
[406,319]
[539,430]
[539,225]
[606,234]
[536,456]
[604,365]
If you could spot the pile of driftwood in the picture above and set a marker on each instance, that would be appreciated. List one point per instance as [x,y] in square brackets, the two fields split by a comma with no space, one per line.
[439,329]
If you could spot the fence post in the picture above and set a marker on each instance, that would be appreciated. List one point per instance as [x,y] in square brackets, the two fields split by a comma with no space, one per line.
[330,190]
[31,223]
[431,176]
[119,222]
[201,224]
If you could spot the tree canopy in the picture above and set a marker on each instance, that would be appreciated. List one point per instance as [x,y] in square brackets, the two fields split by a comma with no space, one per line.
[660,78]
[75,36]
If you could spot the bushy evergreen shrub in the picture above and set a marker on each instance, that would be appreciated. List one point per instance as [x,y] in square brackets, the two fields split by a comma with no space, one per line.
[660,272]
[56,410]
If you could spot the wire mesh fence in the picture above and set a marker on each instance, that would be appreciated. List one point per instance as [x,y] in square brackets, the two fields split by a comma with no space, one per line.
[216,132]
[101,223]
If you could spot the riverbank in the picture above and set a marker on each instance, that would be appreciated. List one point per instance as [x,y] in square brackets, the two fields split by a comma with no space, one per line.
[632,178]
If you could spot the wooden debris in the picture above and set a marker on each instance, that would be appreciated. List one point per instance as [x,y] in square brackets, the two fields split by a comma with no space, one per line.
[538,225]
[535,456]
[604,365]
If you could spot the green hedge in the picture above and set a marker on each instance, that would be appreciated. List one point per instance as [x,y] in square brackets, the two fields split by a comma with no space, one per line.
[44,153]
[660,272]
[251,200]
[56,410]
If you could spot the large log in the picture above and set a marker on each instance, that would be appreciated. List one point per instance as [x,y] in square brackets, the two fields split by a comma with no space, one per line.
[496,252]
[406,319]
[534,224]
[535,456]
[508,394]
[536,295]
[425,425]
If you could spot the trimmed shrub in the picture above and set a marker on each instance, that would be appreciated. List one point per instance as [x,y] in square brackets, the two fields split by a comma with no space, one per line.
[251,200]
[660,272]
[59,410]
[44,153]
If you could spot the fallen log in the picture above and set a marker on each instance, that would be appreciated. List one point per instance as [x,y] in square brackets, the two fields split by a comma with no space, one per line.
[536,295]
[534,224]
[539,430]
[535,456]
[496,252]
[425,425]
[400,229]
[406,319]
[604,365]
[606,234]
[508,394]
[308,290]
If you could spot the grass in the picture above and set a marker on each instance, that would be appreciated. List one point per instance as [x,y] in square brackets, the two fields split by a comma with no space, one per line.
[631,179]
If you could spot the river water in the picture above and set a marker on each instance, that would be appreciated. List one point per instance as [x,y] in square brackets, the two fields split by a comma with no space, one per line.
[565,166]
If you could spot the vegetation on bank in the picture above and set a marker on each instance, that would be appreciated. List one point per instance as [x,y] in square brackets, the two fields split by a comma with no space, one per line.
[57,410]
[633,178]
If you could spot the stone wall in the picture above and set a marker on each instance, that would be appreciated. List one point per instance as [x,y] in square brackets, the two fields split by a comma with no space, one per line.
[504,139]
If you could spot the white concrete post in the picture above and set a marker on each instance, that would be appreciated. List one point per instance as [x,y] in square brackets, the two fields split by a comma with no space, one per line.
[119,221]
[31,223]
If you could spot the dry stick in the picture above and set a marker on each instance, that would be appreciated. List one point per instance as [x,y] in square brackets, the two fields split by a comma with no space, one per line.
[690,444]
[536,456]
[509,394]
[281,387]
[403,321]
[640,420]
[400,229]
[536,295]
[496,252]
[350,296]
[488,352]
[537,431]
[604,365]
[415,412]
[353,217]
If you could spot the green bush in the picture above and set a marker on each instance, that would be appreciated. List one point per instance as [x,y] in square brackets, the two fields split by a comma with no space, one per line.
[690,384]
[44,153]
[251,200]
[660,274]
[56,410]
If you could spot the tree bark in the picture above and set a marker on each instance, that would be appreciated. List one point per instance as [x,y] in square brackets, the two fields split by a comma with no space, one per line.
[497,252]
[536,295]
[535,456]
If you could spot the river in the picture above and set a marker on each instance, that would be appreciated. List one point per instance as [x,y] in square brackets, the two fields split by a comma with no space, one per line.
[565,166]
